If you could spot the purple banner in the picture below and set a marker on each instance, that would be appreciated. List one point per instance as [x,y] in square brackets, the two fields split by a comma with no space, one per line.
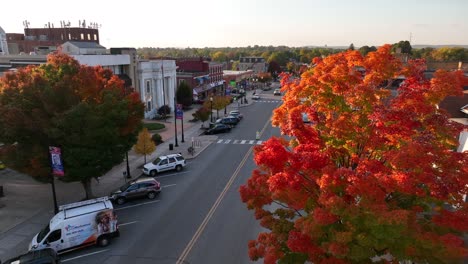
[56,161]
[179,112]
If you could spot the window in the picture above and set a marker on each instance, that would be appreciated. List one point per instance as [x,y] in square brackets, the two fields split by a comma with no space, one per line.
[95,37]
[163,162]
[172,160]
[148,106]
[82,36]
[89,36]
[54,236]
[148,87]
[133,187]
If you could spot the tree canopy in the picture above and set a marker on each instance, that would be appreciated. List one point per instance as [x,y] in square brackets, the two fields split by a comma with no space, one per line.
[373,174]
[84,110]
[184,94]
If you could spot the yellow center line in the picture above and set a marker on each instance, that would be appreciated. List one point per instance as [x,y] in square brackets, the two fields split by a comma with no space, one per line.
[202,226]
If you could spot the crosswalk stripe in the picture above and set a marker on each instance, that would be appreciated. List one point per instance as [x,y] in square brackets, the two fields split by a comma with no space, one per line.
[240,141]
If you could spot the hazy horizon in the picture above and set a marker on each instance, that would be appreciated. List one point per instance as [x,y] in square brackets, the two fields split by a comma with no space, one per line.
[243,23]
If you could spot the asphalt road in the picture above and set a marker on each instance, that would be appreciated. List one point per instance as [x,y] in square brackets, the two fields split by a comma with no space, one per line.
[198,217]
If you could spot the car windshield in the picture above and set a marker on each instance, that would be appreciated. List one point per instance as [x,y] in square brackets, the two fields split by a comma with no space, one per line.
[124,187]
[156,161]
[43,233]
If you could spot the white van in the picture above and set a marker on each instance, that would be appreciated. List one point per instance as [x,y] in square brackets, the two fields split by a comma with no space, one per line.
[78,225]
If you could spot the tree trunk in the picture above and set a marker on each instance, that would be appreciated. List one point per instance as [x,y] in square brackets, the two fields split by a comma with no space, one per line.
[87,187]
[145,158]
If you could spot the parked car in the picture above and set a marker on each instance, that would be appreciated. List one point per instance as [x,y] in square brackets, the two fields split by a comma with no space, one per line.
[229,120]
[164,163]
[43,256]
[255,97]
[2,165]
[142,187]
[236,113]
[277,92]
[218,128]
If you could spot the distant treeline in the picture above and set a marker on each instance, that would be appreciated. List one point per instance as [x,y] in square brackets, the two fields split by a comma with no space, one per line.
[282,55]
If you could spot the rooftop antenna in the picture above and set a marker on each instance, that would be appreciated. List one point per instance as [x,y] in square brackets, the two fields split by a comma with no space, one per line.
[26,24]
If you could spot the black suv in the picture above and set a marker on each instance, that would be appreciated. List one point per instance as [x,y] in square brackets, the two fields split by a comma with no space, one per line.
[142,187]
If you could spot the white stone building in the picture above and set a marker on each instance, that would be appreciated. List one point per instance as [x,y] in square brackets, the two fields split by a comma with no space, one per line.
[154,91]
[3,42]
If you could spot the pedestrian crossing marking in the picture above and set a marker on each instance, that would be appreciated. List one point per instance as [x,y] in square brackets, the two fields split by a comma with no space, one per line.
[239,141]
[268,101]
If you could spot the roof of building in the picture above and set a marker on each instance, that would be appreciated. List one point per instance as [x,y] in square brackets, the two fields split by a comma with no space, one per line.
[86,45]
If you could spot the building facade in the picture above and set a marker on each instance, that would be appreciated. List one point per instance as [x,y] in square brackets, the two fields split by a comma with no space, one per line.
[47,39]
[256,64]
[204,77]
[158,81]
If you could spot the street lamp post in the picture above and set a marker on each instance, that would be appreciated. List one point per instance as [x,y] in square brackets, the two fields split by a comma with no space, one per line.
[211,116]
[175,122]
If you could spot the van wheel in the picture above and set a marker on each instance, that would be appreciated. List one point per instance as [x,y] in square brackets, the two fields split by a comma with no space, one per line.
[103,241]
[120,200]
[151,195]
[153,173]
[178,168]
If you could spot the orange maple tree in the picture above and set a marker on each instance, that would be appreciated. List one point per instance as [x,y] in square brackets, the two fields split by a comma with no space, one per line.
[373,176]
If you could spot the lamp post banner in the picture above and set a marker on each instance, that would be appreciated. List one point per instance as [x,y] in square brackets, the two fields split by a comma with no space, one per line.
[179,112]
[56,161]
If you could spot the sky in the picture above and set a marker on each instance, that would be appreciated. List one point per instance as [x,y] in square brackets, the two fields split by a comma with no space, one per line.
[242,23]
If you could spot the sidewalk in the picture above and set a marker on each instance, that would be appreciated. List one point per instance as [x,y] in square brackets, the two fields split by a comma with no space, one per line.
[28,205]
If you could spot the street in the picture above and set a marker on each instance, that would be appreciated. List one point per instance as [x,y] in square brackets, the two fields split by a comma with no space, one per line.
[198,217]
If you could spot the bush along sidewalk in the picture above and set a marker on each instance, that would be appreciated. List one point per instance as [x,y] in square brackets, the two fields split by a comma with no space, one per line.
[154,126]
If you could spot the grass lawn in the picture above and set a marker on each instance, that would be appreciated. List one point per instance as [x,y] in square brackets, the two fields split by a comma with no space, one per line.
[154,126]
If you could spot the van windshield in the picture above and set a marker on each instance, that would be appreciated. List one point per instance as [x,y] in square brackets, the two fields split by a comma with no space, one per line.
[43,233]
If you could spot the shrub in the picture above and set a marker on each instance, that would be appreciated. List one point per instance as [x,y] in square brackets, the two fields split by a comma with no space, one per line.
[154,126]
[164,110]
[157,139]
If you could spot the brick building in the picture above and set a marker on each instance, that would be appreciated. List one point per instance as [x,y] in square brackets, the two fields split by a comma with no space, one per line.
[204,77]
[45,40]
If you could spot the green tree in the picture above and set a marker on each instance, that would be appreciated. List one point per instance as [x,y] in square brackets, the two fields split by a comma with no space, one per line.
[184,94]
[280,57]
[145,144]
[403,45]
[202,114]
[235,65]
[450,54]
[84,110]
[366,49]
[219,56]
[351,46]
